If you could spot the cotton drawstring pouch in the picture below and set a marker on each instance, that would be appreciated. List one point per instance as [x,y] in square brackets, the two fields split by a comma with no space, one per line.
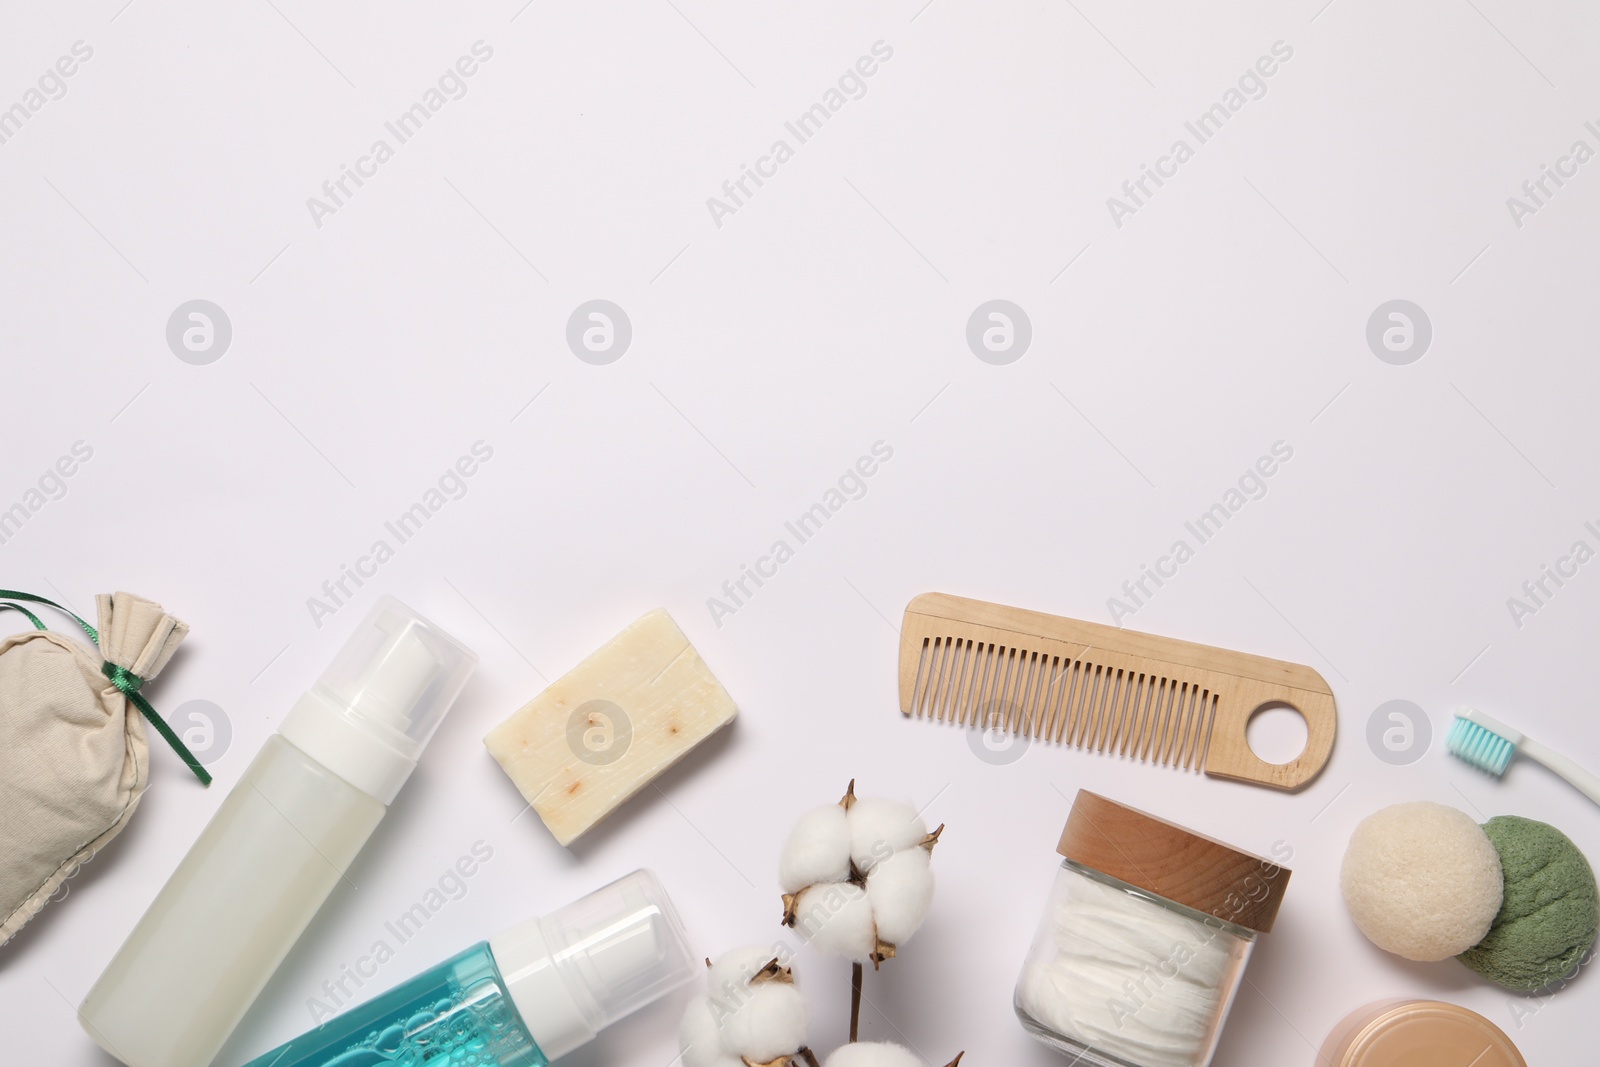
[74,760]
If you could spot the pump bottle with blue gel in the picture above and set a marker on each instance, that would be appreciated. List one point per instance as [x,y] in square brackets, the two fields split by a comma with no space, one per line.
[278,845]
[521,999]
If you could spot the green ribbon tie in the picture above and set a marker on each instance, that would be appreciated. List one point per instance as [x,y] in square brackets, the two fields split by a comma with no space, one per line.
[123,679]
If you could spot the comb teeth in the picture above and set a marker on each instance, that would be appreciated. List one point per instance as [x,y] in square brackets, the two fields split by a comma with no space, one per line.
[1075,701]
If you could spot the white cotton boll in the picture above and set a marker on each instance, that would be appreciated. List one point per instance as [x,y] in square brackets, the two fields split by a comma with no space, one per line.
[879,827]
[818,850]
[901,891]
[873,1054]
[700,1038]
[729,977]
[837,918]
[770,1023]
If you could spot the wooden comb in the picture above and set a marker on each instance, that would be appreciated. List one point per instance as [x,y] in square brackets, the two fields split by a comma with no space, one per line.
[1098,687]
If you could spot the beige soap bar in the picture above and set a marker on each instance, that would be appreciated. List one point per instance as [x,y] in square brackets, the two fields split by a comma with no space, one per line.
[611,725]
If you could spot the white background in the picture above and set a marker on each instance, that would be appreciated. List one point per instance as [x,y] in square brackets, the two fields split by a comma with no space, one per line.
[826,314]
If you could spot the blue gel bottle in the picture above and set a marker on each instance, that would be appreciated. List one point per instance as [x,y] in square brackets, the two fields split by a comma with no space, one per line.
[521,999]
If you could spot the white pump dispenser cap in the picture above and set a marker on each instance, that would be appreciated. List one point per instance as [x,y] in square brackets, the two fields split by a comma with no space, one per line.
[576,972]
[369,716]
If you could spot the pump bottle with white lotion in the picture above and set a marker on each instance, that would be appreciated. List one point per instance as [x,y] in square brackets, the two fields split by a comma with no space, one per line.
[278,845]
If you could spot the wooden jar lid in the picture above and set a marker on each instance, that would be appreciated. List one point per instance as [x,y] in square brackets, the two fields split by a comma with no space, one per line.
[1165,859]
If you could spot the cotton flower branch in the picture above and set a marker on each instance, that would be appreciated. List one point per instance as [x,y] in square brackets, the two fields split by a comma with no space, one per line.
[857,881]
[856,877]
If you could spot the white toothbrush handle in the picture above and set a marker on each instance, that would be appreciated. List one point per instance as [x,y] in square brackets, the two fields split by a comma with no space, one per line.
[1584,781]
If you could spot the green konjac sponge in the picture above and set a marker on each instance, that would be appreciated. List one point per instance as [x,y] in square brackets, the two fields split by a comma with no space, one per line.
[1551,911]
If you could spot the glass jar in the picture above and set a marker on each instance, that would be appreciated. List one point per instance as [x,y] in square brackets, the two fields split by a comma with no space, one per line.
[1144,940]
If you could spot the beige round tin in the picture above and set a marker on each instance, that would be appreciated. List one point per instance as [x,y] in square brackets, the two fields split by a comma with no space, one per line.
[1417,1033]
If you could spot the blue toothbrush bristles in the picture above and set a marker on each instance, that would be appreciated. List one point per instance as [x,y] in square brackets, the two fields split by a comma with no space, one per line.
[1481,747]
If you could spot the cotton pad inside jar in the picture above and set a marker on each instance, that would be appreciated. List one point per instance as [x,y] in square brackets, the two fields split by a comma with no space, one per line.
[1144,940]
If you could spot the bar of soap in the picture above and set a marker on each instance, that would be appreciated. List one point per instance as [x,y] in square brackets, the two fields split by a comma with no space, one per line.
[611,725]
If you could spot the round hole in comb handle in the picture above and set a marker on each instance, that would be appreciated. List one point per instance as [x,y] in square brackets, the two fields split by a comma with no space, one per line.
[1229,754]
[1277,732]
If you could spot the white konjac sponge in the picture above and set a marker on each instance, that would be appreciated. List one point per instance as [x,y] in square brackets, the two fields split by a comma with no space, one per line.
[1422,880]
[754,1013]
[874,1054]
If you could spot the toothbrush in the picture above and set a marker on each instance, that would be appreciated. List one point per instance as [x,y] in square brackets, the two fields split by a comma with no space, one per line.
[1488,743]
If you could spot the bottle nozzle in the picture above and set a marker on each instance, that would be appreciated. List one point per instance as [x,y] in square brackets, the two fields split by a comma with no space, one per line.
[379,702]
[595,961]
